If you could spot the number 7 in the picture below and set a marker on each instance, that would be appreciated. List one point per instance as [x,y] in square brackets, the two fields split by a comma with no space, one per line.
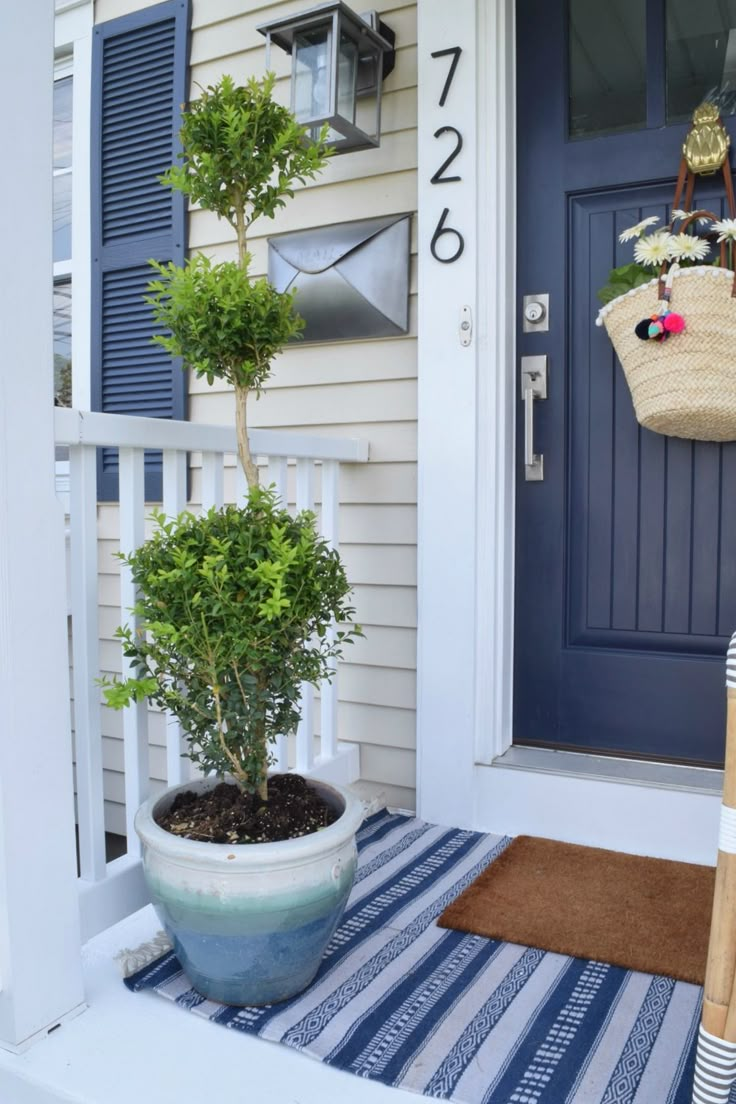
[456,52]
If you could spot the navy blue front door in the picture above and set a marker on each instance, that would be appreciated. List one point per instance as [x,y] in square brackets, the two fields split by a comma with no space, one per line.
[626,551]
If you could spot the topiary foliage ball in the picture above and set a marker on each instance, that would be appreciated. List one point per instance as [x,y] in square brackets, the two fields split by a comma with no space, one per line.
[234,608]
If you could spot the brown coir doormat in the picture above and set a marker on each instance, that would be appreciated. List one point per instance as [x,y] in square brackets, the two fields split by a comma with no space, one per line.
[644,914]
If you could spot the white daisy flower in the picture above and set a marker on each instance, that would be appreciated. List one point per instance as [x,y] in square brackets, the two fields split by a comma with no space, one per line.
[685,247]
[638,230]
[678,215]
[726,229]
[655,249]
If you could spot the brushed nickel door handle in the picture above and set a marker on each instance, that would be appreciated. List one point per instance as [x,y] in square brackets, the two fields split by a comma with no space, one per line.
[533,387]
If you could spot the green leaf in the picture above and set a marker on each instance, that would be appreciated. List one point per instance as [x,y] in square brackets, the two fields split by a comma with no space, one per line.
[623,279]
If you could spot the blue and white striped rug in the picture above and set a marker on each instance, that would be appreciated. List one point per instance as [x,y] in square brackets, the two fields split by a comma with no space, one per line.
[460,1017]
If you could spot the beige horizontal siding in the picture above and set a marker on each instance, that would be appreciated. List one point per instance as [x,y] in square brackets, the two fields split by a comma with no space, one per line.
[386,605]
[113,9]
[284,406]
[364,389]
[384,726]
[327,365]
[387,523]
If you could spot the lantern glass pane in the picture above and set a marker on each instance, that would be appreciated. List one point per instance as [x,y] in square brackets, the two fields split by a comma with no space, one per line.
[312,74]
[347,76]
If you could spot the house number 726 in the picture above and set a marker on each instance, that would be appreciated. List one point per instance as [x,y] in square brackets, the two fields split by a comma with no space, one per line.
[441,230]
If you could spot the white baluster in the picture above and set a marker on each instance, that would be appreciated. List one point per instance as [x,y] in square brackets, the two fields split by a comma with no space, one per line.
[86,650]
[175,498]
[329,530]
[212,480]
[175,482]
[277,474]
[305,484]
[135,717]
[241,483]
[281,754]
[305,731]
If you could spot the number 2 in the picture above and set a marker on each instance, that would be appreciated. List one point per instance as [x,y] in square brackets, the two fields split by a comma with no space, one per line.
[438,178]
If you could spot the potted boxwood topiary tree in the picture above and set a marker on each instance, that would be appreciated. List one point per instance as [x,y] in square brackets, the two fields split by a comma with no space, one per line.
[249,875]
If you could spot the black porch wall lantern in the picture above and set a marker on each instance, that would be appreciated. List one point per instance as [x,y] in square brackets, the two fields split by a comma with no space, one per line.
[338,63]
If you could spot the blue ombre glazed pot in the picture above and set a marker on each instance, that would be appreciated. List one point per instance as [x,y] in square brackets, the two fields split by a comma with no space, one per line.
[250,922]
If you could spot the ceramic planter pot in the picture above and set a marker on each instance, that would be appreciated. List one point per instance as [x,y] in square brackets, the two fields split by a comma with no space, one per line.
[250,922]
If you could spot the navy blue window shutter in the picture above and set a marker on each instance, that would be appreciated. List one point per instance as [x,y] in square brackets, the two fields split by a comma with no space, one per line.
[139,82]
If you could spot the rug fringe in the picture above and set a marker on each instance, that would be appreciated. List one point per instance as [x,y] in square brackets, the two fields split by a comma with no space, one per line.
[131,961]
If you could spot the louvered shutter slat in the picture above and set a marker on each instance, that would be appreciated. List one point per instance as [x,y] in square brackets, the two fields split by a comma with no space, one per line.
[157,68]
[139,82]
[151,37]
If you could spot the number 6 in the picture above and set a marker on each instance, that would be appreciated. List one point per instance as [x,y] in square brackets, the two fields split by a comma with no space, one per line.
[441,229]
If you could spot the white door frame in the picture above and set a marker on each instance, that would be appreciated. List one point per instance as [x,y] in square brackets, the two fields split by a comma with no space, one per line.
[465,407]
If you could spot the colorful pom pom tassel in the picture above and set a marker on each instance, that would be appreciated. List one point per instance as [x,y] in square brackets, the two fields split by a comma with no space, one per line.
[673,323]
[659,326]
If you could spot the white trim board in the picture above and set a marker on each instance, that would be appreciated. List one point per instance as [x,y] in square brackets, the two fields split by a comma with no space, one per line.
[639,819]
[465,408]
[73,42]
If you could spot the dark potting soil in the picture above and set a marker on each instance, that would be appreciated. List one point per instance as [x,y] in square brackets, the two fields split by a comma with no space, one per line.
[225,814]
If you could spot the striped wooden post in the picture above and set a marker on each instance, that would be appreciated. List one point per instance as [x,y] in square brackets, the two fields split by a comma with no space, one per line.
[715,1065]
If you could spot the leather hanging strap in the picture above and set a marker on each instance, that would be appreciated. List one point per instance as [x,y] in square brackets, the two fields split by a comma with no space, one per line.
[686,186]
[686,183]
[688,222]
[682,180]
[728,179]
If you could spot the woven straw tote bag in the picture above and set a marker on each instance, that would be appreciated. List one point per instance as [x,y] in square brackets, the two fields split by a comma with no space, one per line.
[684,386]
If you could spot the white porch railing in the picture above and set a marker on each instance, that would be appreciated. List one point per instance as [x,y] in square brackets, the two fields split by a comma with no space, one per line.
[110,891]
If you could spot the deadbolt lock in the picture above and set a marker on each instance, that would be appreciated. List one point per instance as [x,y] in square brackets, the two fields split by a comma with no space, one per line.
[536,310]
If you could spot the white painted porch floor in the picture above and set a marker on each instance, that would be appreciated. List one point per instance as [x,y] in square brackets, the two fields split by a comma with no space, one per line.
[131,1048]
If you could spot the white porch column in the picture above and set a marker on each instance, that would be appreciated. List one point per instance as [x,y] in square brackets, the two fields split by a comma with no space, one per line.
[467,396]
[40,969]
[447,371]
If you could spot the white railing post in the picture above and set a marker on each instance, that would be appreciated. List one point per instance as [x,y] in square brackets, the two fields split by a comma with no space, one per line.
[329,530]
[40,965]
[135,717]
[85,659]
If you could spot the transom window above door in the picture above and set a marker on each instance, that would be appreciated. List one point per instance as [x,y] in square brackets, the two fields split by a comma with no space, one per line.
[637,64]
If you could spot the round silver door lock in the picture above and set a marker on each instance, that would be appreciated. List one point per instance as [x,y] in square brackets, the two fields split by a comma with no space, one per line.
[534,312]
